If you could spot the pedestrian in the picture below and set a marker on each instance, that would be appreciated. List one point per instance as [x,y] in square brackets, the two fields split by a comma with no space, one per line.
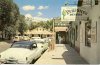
[60,39]
[51,45]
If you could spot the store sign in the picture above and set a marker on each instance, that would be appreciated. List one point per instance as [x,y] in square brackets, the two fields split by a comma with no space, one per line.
[73,13]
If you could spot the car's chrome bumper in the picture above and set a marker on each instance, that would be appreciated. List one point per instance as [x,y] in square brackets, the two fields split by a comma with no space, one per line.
[2,61]
[8,62]
[13,61]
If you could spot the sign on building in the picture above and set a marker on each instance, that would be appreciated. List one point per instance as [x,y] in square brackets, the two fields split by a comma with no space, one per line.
[73,13]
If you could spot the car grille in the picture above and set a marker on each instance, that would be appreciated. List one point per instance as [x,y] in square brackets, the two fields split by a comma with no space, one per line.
[11,61]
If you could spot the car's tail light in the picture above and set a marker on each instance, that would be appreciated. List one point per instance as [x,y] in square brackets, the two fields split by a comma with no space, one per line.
[41,46]
[26,58]
[0,56]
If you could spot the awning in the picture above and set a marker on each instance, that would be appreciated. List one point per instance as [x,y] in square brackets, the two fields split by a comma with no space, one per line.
[61,29]
[41,32]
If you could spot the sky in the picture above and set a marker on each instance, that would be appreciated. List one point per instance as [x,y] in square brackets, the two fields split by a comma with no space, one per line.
[42,8]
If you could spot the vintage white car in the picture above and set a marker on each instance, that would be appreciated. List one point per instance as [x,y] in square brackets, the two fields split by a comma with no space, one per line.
[47,40]
[26,38]
[36,38]
[23,52]
[17,38]
[41,43]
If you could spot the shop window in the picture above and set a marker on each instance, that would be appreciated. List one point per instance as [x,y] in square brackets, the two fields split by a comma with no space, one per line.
[96,2]
[88,34]
[73,34]
[80,2]
[76,32]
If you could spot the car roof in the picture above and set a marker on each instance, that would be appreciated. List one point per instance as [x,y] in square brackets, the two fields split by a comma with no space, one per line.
[39,39]
[25,42]
[36,37]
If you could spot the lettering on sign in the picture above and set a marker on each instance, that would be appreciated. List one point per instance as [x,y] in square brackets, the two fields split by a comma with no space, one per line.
[70,13]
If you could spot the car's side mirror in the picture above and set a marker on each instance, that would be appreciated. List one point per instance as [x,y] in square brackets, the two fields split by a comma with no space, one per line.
[34,45]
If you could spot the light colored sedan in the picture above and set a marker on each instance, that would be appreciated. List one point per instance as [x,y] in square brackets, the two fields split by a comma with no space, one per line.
[41,43]
[36,38]
[17,38]
[23,52]
[26,38]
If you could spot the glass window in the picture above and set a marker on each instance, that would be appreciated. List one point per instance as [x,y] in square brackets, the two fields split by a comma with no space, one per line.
[96,2]
[21,45]
[80,2]
[88,34]
[76,32]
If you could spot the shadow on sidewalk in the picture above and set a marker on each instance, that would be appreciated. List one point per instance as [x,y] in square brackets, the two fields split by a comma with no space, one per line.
[72,57]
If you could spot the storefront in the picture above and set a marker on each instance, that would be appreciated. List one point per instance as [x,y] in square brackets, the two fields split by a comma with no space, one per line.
[60,31]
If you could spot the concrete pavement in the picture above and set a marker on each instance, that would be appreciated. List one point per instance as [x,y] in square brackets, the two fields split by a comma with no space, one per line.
[63,54]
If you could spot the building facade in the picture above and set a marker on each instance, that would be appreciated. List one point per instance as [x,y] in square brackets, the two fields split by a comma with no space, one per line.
[89,32]
[84,34]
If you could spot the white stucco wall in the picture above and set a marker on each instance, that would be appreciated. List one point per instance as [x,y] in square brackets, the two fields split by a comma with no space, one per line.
[91,54]
[98,37]
[88,53]
[77,42]
[98,40]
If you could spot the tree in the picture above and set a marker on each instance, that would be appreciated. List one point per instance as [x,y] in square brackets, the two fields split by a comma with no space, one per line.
[10,31]
[33,25]
[9,13]
[49,25]
[22,25]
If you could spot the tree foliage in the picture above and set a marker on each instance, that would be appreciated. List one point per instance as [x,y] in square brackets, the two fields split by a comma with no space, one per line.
[22,25]
[9,13]
[47,25]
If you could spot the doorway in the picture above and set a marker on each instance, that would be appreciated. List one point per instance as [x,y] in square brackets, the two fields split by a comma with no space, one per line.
[61,37]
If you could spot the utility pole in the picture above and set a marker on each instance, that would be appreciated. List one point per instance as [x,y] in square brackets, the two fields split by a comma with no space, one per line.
[54,35]
[53,25]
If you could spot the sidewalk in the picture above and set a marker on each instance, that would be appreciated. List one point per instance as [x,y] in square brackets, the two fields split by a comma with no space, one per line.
[63,54]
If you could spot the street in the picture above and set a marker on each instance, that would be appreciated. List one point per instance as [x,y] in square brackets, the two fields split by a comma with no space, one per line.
[49,32]
[4,46]
[62,54]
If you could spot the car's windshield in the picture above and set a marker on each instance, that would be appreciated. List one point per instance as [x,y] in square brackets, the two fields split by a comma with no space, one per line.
[21,45]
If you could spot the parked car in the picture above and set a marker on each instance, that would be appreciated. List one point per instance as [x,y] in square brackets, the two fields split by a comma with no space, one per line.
[42,44]
[17,38]
[47,40]
[36,38]
[50,38]
[26,38]
[22,52]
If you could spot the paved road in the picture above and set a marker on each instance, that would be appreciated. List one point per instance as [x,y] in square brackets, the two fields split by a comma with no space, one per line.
[4,46]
